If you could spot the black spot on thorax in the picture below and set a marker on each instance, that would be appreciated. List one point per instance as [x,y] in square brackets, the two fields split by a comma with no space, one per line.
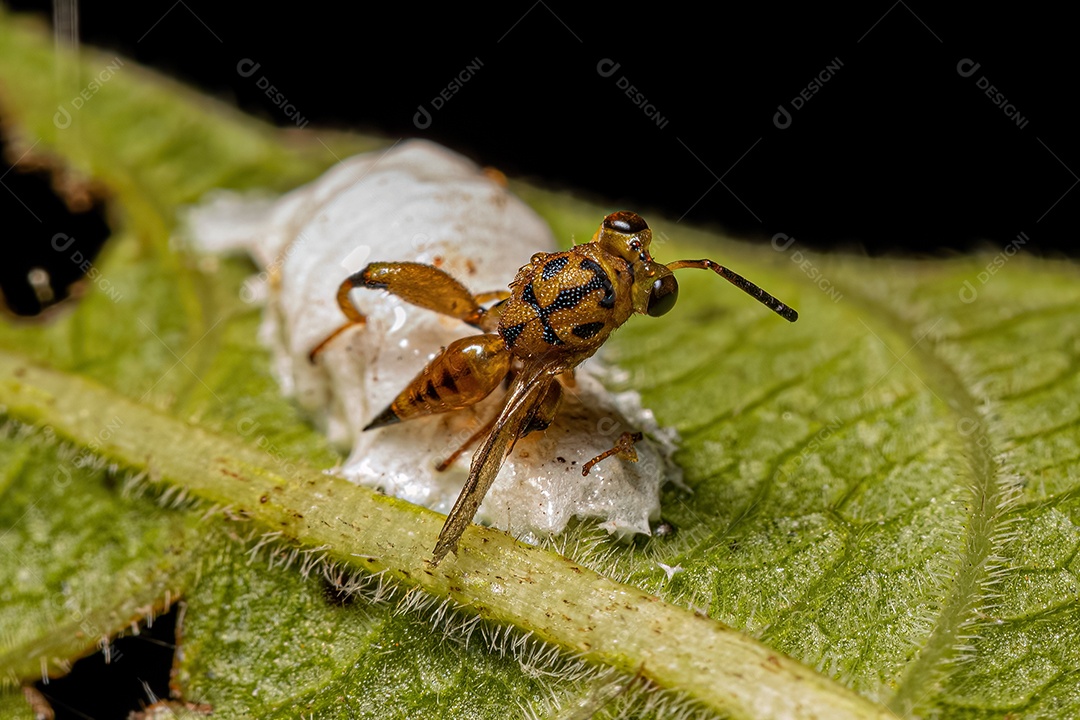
[566,299]
[600,280]
[511,334]
[554,267]
[587,330]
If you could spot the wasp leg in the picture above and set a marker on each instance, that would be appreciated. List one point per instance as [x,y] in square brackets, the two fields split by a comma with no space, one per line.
[624,448]
[539,421]
[742,283]
[520,405]
[355,316]
[428,287]
[484,430]
[488,297]
[545,412]
[463,374]
[418,284]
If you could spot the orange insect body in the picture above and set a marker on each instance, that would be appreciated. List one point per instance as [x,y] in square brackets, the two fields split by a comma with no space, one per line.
[559,310]
[566,303]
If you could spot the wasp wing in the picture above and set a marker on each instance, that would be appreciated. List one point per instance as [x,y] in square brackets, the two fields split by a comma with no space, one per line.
[526,393]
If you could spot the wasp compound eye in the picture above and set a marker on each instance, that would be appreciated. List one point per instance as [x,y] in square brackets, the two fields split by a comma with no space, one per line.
[625,222]
[662,296]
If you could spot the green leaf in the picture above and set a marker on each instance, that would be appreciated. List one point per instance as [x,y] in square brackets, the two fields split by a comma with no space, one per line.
[885,491]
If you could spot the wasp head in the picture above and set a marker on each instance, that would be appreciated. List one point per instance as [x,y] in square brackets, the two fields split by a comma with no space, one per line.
[626,235]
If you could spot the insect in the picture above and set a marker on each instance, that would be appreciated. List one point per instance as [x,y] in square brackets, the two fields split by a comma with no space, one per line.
[557,312]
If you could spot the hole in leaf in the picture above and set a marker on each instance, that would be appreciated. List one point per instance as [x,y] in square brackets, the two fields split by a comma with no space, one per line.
[112,687]
[57,223]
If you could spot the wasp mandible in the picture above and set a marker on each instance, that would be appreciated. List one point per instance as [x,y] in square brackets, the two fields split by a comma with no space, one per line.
[557,312]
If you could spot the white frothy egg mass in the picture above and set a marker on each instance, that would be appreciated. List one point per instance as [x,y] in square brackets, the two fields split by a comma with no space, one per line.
[420,202]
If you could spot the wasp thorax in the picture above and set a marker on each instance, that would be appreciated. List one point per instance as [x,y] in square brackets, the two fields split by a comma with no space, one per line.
[627,235]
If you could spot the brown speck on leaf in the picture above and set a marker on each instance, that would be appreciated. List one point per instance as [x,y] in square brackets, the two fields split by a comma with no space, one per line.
[263,499]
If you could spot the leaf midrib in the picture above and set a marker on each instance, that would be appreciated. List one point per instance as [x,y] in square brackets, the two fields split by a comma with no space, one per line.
[493,575]
[987,490]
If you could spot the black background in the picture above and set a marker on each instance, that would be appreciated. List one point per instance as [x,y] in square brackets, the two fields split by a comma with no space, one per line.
[896,154]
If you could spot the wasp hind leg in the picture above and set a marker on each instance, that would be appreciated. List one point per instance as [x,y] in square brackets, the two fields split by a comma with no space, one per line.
[463,374]
[418,284]
[537,422]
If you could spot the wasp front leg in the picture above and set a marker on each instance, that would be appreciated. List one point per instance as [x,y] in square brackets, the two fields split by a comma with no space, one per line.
[463,374]
[418,284]
[623,447]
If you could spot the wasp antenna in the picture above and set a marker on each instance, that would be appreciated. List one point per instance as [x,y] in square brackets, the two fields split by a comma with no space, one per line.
[784,311]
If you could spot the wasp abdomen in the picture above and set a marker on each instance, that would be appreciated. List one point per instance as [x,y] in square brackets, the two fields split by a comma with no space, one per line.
[461,375]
